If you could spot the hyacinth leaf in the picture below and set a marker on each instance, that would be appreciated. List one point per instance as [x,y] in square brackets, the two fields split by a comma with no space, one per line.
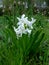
[34,48]
[12,35]
[36,41]
[36,45]
[14,54]
[32,40]
[10,23]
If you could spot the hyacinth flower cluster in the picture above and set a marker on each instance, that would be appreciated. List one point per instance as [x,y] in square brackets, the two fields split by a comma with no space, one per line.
[24,26]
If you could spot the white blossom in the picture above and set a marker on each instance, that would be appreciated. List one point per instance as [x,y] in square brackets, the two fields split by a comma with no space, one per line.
[24,26]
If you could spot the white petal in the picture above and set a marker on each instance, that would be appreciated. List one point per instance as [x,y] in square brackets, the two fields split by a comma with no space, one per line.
[18,18]
[19,23]
[23,16]
[28,31]
[33,20]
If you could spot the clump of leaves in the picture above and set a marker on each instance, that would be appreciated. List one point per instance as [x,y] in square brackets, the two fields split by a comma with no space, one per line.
[19,51]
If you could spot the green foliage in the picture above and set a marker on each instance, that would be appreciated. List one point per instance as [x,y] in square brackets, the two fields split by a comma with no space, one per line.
[25,50]
[16,51]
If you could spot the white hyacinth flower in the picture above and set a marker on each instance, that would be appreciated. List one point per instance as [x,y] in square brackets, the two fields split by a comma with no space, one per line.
[24,26]
[28,31]
[33,20]
[22,20]
[19,31]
